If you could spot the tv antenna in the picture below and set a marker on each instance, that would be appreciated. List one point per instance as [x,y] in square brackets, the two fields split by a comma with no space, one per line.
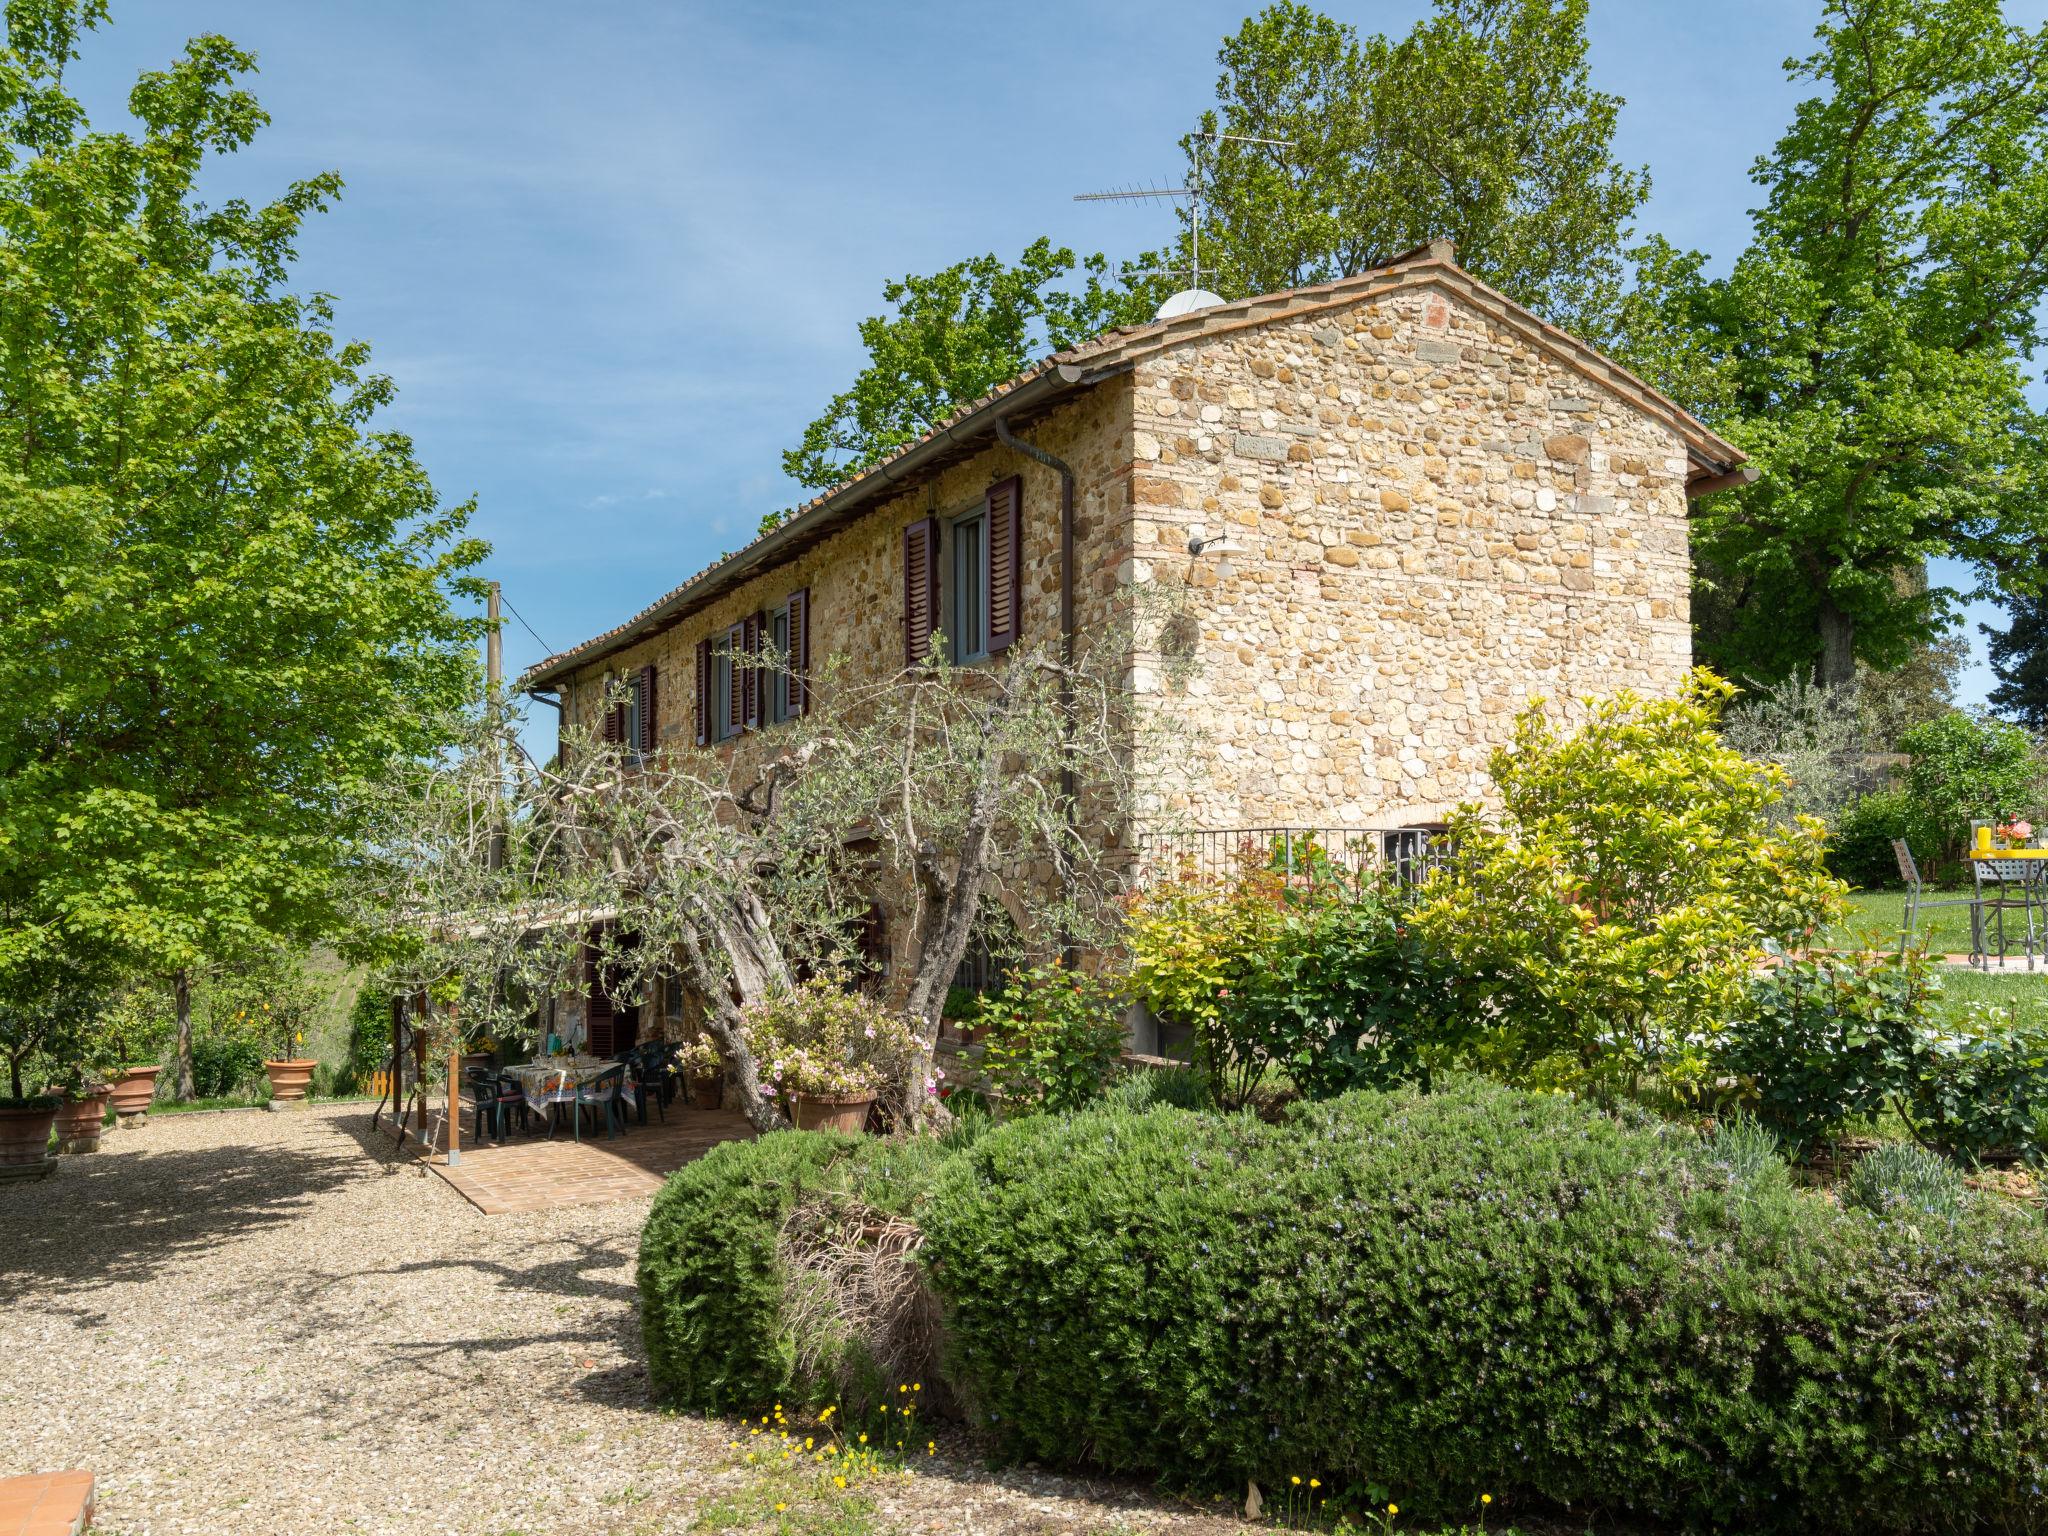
[1194,296]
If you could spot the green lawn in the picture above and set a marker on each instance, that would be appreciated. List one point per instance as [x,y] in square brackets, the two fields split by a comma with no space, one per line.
[1875,917]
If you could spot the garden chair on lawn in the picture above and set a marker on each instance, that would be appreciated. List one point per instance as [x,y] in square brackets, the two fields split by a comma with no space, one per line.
[494,1094]
[603,1091]
[1916,902]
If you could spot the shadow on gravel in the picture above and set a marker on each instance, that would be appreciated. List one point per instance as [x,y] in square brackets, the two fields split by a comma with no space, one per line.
[109,1219]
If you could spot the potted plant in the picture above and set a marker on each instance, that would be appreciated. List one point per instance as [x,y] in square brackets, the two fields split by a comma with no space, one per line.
[704,1070]
[81,1113]
[281,1009]
[25,1122]
[137,1024]
[47,1008]
[827,1053]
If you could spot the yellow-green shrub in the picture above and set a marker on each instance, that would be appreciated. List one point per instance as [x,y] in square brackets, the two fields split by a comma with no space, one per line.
[1623,892]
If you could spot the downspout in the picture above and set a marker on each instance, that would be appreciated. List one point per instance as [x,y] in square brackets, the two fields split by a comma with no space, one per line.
[1066,689]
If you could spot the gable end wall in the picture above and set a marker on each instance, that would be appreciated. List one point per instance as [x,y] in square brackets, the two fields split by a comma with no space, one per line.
[1438,521]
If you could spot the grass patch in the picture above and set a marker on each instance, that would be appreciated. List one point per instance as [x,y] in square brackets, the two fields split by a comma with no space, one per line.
[193,1106]
[781,1499]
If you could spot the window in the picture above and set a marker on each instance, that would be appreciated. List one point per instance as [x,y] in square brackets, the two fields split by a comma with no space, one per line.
[629,718]
[980,554]
[757,672]
[968,629]
[782,660]
[725,719]
[631,710]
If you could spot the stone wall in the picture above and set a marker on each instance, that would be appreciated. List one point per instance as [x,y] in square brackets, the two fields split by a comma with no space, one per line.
[1437,522]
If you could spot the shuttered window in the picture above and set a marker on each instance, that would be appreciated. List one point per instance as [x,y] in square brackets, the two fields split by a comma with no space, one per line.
[984,562]
[704,692]
[597,1002]
[800,651]
[920,588]
[734,711]
[749,662]
[1004,538]
[645,734]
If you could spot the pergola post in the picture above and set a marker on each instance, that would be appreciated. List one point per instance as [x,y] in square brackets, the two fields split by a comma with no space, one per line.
[454,1090]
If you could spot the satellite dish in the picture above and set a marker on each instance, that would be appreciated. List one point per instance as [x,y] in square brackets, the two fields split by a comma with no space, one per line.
[1187,301]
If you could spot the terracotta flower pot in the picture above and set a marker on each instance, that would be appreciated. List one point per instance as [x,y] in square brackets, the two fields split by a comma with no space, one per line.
[829,1112]
[134,1090]
[80,1122]
[707,1092]
[25,1141]
[289,1080]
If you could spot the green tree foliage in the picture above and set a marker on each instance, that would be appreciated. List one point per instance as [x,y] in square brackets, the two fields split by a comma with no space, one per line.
[1964,768]
[1623,892]
[1480,125]
[1052,1037]
[230,594]
[1868,349]
[954,336]
[2019,658]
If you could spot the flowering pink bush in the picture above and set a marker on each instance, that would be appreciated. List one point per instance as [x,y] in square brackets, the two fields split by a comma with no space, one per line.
[822,1040]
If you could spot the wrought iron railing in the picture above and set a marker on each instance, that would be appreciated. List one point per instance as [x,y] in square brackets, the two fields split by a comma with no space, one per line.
[1310,856]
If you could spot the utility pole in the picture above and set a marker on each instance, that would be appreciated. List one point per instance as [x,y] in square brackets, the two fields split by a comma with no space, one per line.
[494,847]
[494,701]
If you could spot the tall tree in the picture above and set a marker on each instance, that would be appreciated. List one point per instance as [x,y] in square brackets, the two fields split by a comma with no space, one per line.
[1481,125]
[954,336]
[1869,348]
[230,596]
[2019,658]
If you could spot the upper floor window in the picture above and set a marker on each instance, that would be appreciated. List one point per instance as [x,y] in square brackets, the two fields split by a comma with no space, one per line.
[629,717]
[779,697]
[725,717]
[968,625]
[757,672]
[965,577]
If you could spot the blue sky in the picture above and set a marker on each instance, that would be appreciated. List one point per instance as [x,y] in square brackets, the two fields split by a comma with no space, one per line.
[614,253]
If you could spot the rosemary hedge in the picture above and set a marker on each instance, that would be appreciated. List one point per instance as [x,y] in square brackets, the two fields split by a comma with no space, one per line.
[1475,1290]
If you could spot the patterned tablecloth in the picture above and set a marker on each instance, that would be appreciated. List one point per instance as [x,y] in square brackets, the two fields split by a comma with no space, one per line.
[555,1081]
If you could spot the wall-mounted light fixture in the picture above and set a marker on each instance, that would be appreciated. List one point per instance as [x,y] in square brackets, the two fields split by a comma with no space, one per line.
[1201,543]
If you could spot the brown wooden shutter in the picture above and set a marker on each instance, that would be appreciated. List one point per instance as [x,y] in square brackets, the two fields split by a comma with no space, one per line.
[614,718]
[736,690]
[920,588]
[751,627]
[1005,546]
[648,734]
[703,692]
[597,1003]
[799,659]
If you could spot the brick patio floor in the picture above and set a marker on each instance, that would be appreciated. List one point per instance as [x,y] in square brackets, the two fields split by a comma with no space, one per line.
[536,1173]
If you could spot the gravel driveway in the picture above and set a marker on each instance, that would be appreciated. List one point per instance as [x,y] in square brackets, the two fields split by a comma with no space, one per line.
[269,1323]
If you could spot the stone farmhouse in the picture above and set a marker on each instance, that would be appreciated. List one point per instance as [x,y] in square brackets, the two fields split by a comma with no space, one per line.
[1400,505]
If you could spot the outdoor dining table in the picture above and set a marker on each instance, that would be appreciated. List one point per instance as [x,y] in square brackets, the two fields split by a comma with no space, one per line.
[556,1080]
[2026,868]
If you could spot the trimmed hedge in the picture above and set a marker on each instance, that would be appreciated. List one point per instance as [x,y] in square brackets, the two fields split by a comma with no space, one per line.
[1482,1290]
[710,1281]
[1471,1290]
[712,1284]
